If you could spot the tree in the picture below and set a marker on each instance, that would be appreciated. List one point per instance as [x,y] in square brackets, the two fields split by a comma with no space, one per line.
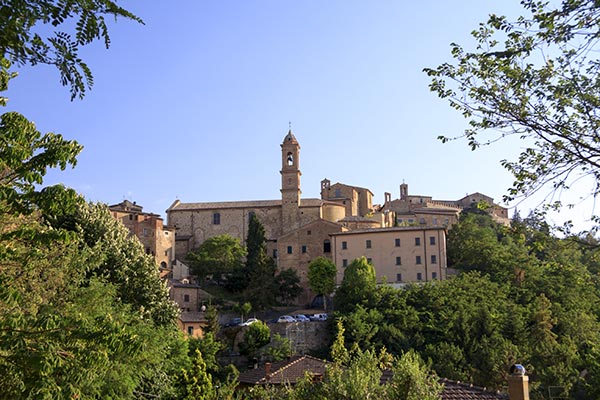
[358,285]
[196,384]
[256,336]
[20,42]
[217,255]
[413,380]
[279,349]
[243,309]
[321,277]
[537,79]
[288,285]
[262,287]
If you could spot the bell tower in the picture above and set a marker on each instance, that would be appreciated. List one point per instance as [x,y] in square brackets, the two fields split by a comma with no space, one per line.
[290,183]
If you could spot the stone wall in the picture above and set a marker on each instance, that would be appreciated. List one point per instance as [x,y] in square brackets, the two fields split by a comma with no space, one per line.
[304,336]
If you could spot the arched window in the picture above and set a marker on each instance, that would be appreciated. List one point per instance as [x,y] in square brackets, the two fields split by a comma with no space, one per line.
[290,159]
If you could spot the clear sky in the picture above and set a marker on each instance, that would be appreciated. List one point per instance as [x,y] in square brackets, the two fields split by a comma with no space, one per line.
[194,104]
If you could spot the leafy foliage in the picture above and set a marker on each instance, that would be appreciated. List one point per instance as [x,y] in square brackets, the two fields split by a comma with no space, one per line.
[217,255]
[256,336]
[321,276]
[526,296]
[358,285]
[288,286]
[22,23]
[537,79]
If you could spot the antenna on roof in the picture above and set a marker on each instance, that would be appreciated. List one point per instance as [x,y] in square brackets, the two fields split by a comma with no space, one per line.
[290,125]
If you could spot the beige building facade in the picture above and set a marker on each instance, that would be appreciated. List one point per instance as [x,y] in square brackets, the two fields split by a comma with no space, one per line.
[420,210]
[399,255]
[297,229]
[158,240]
[300,229]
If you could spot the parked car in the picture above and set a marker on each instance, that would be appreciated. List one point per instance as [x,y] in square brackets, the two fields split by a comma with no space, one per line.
[286,318]
[319,317]
[301,318]
[250,321]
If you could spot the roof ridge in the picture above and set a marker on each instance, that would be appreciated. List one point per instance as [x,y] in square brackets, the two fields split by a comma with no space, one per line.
[469,385]
[286,366]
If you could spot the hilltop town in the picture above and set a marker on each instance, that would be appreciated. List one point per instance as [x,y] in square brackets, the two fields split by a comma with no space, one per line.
[404,238]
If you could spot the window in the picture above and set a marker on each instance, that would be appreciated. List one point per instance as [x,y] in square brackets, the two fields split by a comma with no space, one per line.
[290,159]
[130,217]
[303,249]
[419,276]
[186,298]
[434,275]
[370,261]
[397,242]
[432,240]
[326,246]
[344,263]
[368,244]
[398,277]
[308,232]
[398,261]
[422,221]
[216,219]
[399,220]
[338,192]
[145,233]
[274,253]
[289,249]
[434,259]
[418,260]
[147,250]
[410,220]
[344,245]
[190,330]
[435,221]
[417,241]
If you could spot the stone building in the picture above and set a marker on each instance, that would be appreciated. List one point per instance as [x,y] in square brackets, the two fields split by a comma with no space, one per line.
[420,210]
[157,239]
[399,255]
[297,229]
[300,229]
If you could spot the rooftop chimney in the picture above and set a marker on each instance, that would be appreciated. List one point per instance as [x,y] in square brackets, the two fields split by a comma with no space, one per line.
[518,383]
[268,371]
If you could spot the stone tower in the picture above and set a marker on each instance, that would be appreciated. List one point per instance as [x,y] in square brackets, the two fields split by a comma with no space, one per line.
[290,183]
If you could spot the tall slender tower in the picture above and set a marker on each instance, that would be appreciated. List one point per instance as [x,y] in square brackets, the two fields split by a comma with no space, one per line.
[290,183]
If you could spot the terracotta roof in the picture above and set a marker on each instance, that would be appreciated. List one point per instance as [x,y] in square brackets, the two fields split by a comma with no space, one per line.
[241,204]
[454,390]
[464,391]
[288,371]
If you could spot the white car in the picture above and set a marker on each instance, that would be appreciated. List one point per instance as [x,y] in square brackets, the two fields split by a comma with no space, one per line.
[249,321]
[285,319]
[319,317]
[301,318]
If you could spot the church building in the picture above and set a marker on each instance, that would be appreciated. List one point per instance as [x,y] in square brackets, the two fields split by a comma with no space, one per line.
[297,230]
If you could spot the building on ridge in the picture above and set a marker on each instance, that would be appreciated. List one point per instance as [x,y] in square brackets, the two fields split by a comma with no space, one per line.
[299,229]
[158,239]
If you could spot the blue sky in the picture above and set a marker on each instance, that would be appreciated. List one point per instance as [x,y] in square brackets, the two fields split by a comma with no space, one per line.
[194,104]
